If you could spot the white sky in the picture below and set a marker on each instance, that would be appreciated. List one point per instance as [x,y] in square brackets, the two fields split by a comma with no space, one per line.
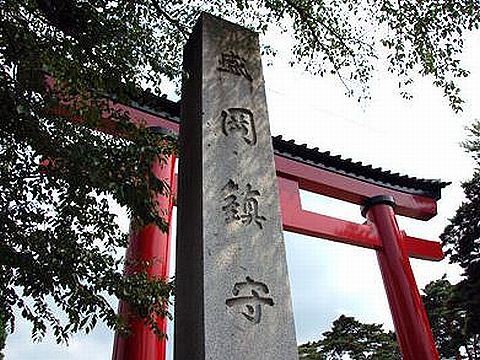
[419,137]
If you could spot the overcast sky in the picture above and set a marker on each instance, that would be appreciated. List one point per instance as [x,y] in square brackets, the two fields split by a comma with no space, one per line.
[418,137]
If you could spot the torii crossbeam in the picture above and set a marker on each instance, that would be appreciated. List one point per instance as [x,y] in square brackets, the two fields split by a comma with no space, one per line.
[381,194]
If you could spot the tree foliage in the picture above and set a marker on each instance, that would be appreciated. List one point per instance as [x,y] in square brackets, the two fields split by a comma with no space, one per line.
[461,238]
[343,37]
[349,337]
[447,319]
[3,335]
[59,242]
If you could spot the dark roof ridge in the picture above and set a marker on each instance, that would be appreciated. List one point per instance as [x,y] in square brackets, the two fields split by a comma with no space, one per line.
[312,156]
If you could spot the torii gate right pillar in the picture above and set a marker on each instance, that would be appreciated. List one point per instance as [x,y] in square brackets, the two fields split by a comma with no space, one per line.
[409,316]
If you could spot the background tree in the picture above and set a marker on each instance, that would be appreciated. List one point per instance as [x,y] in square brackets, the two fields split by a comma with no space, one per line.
[3,335]
[349,337]
[59,241]
[447,319]
[448,315]
[461,238]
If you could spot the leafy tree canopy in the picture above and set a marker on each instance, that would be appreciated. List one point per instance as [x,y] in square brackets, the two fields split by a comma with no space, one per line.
[59,242]
[85,40]
[447,315]
[461,238]
[349,337]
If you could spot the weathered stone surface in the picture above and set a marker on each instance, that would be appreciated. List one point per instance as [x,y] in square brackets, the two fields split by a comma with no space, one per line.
[233,295]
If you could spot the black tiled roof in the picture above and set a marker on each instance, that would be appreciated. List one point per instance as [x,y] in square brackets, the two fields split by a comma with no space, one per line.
[157,105]
[325,160]
[313,156]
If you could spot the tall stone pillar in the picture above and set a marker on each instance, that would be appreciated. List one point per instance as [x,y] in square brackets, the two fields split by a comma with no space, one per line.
[233,296]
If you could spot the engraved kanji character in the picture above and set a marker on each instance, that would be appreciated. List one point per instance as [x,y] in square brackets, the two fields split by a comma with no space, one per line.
[239,121]
[234,64]
[243,209]
[250,301]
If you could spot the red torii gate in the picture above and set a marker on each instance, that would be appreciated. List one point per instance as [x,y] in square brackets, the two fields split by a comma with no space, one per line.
[298,168]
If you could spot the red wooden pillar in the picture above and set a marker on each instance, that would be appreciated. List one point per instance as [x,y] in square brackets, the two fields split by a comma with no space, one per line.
[149,243]
[409,317]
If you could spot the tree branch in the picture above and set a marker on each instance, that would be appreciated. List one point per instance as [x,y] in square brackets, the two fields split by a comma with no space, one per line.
[307,21]
[170,19]
[300,11]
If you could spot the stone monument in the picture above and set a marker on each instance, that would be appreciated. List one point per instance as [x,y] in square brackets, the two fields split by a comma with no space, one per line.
[233,295]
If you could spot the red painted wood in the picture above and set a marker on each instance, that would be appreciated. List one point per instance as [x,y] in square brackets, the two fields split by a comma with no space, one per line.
[148,244]
[346,188]
[106,123]
[410,319]
[300,221]
[297,220]
[423,249]
[110,126]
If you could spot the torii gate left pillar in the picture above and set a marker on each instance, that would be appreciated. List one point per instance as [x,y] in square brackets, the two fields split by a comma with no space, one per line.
[149,243]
